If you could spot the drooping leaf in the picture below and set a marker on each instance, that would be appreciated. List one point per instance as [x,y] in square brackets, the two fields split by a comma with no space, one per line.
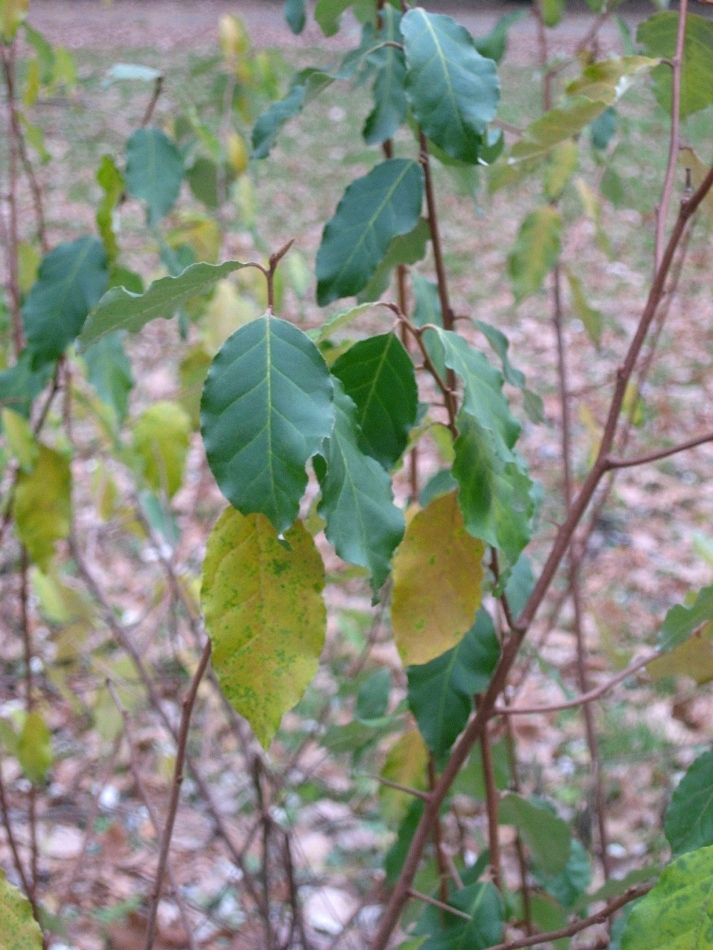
[20,439]
[21,384]
[307,84]
[42,505]
[296,15]
[34,747]
[437,582]
[546,835]
[390,105]
[483,903]
[266,410]
[562,164]
[440,693]
[406,765]
[556,126]
[552,11]
[373,211]
[677,914]
[264,614]
[120,309]
[536,251]
[378,375]
[689,820]
[19,929]
[154,172]
[112,184]
[405,249]
[591,318]
[363,524]
[453,91]
[203,181]
[109,372]
[161,439]
[70,281]
[657,35]
[493,45]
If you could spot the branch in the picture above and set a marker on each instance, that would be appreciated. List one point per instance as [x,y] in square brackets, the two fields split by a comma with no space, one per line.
[158,85]
[188,704]
[614,463]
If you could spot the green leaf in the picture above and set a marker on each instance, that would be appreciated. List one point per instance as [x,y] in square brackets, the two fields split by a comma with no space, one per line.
[264,614]
[483,904]
[689,820]
[515,377]
[161,440]
[440,693]
[328,13]
[109,372]
[546,835]
[591,317]
[573,880]
[680,622]
[154,172]
[405,249]
[396,855]
[19,929]
[20,439]
[496,494]
[34,748]
[120,309]
[337,321]
[556,126]
[71,280]
[437,582]
[21,384]
[536,251]
[13,14]
[493,45]
[306,85]
[692,657]
[453,91]
[363,524]
[552,11]
[520,585]
[134,72]
[373,696]
[112,184]
[203,181]
[378,375]
[390,105]
[657,35]
[266,410]
[373,211]
[615,887]
[677,914]
[296,15]
[562,164]
[603,129]
[42,506]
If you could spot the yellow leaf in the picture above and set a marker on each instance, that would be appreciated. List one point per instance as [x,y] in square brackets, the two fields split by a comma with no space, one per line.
[200,233]
[42,506]
[34,748]
[693,657]
[238,155]
[28,262]
[437,582]
[161,440]
[20,439]
[265,615]
[12,15]
[227,312]
[406,765]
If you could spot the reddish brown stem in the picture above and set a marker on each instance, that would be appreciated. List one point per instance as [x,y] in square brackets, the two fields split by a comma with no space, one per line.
[491,804]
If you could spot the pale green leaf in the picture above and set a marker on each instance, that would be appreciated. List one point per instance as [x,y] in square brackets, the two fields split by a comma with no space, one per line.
[591,317]
[453,91]
[20,439]
[657,35]
[42,505]
[378,375]
[546,835]
[161,440]
[692,657]
[337,321]
[552,11]
[121,72]
[34,748]
[562,164]
[677,914]
[154,172]
[363,524]
[18,928]
[680,622]
[120,309]
[12,15]
[112,184]
[437,582]
[689,820]
[264,614]
[536,251]
[328,13]
[109,372]
[373,211]
[555,126]
[608,80]
[266,410]
[70,281]
[406,765]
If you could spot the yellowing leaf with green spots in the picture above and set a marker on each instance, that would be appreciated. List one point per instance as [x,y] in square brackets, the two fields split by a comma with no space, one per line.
[18,929]
[437,582]
[406,765]
[264,613]
[161,439]
[20,439]
[42,506]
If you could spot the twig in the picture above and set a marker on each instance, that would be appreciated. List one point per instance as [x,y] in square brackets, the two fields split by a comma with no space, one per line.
[417,793]
[18,333]
[441,863]
[266,827]
[188,704]
[615,463]
[158,86]
[270,274]
[491,805]
[29,708]
[427,899]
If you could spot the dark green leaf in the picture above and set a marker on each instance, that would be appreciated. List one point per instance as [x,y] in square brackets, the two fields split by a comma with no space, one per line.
[296,15]
[546,835]
[452,90]
[109,372]
[680,622]
[520,585]
[71,280]
[615,887]
[440,693]
[441,484]
[657,35]
[471,778]
[378,375]
[390,105]
[603,129]
[203,181]
[500,343]
[396,855]
[573,880]
[373,696]
[689,821]
[405,249]
[484,904]
[120,309]
[266,409]
[493,45]
[373,211]
[307,84]
[21,384]
[363,523]
[154,172]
